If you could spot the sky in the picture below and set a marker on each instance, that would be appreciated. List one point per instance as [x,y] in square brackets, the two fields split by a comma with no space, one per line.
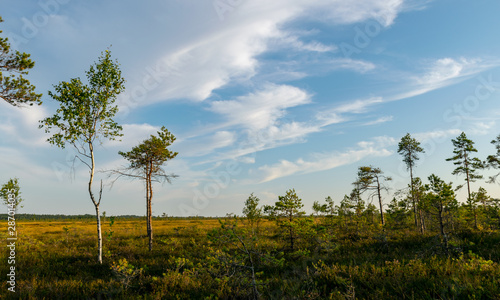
[262,96]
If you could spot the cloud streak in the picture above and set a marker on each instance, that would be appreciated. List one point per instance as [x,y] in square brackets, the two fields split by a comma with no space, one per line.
[320,161]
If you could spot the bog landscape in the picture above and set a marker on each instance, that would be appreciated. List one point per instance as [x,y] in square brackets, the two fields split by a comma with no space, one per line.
[341,254]
[250,150]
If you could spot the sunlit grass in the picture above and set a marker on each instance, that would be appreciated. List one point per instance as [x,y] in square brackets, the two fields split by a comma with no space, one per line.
[195,258]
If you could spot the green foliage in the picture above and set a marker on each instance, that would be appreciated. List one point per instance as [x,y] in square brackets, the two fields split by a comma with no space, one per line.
[319,208]
[467,165]
[219,259]
[435,278]
[288,212]
[148,157]
[109,233]
[252,212]
[289,206]
[409,148]
[398,212]
[235,257]
[440,200]
[86,111]
[10,193]
[372,179]
[14,88]
[146,161]
[85,115]
[125,272]
[493,161]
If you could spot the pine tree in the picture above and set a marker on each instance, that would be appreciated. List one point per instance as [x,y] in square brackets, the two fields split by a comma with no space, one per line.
[410,148]
[466,163]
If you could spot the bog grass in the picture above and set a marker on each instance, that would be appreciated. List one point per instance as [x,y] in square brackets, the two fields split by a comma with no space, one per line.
[201,259]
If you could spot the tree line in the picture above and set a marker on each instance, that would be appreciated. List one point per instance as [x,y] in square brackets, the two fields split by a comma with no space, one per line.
[431,206]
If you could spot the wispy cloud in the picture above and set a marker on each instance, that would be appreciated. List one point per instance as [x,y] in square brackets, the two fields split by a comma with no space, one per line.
[313,46]
[436,135]
[437,74]
[263,108]
[206,144]
[229,52]
[338,113]
[133,134]
[321,161]
[442,73]
[21,124]
[379,121]
[482,128]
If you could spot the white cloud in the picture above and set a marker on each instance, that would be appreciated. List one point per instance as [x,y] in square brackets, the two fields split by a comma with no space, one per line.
[349,12]
[336,114]
[268,138]
[358,106]
[482,128]
[134,134]
[321,162]
[313,46]
[351,64]
[206,144]
[442,73]
[225,52]
[21,124]
[261,109]
[247,159]
[445,69]
[17,164]
[438,135]
[379,121]
[438,74]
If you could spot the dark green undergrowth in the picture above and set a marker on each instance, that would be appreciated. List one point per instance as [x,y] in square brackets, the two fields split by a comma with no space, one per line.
[230,261]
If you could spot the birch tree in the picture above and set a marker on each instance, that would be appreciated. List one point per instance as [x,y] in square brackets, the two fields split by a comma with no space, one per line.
[85,117]
[10,193]
[252,212]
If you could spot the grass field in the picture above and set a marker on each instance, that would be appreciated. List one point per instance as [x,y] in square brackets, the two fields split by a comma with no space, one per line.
[208,259]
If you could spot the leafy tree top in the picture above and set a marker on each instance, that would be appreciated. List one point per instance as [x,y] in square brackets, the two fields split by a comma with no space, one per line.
[14,88]
[11,190]
[409,148]
[251,210]
[86,110]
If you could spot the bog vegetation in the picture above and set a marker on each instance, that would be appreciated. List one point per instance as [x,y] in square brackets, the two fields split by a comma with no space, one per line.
[342,252]
[423,244]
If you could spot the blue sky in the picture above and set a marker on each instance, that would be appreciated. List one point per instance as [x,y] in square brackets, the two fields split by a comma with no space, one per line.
[263,96]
